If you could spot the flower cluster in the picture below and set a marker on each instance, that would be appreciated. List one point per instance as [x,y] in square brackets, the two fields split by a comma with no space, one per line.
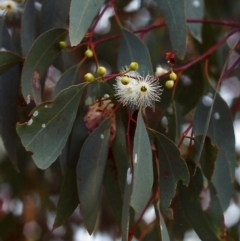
[137,91]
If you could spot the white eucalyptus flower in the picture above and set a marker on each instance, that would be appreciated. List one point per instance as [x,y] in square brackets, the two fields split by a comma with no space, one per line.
[137,91]
[10,7]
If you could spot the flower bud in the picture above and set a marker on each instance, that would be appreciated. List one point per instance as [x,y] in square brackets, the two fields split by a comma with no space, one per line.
[101,71]
[133,66]
[89,77]
[62,45]
[88,53]
[173,76]
[125,80]
[169,84]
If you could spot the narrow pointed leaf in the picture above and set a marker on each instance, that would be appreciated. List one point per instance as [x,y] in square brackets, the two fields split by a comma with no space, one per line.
[172,169]
[213,118]
[129,52]
[90,170]
[142,167]
[7,60]
[42,54]
[173,12]
[47,131]
[82,14]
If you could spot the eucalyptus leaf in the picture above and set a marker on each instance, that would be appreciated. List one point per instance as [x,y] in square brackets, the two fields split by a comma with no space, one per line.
[195,10]
[213,118]
[129,52]
[82,14]
[7,60]
[172,169]
[142,167]
[41,55]
[90,170]
[173,12]
[46,133]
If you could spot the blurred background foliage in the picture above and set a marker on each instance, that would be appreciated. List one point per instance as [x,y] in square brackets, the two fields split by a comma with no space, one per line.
[193,132]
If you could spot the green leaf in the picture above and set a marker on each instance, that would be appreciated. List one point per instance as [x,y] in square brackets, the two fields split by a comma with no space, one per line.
[70,77]
[164,231]
[68,199]
[126,206]
[195,10]
[42,54]
[29,26]
[9,88]
[82,14]
[129,52]
[202,208]
[213,118]
[208,156]
[47,131]
[120,151]
[173,12]
[142,167]
[172,169]
[113,191]
[90,170]
[54,14]
[7,60]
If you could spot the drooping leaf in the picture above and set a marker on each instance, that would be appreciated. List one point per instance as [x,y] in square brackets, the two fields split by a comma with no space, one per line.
[70,77]
[82,14]
[30,28]
[54,14]
[7,60]
[202,208]
[47,131]
[42,54]
[195,10]
[142,167]
[208,156]
[68,199]
[213,118]
[90,170]
[120,151]
[172,169]
[113,191]
[129,51]
[173,12]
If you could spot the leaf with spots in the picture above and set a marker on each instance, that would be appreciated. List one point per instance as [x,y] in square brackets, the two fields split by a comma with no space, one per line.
[213,119]
[172,169]
[46,133]
[90,170]
[142,167]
